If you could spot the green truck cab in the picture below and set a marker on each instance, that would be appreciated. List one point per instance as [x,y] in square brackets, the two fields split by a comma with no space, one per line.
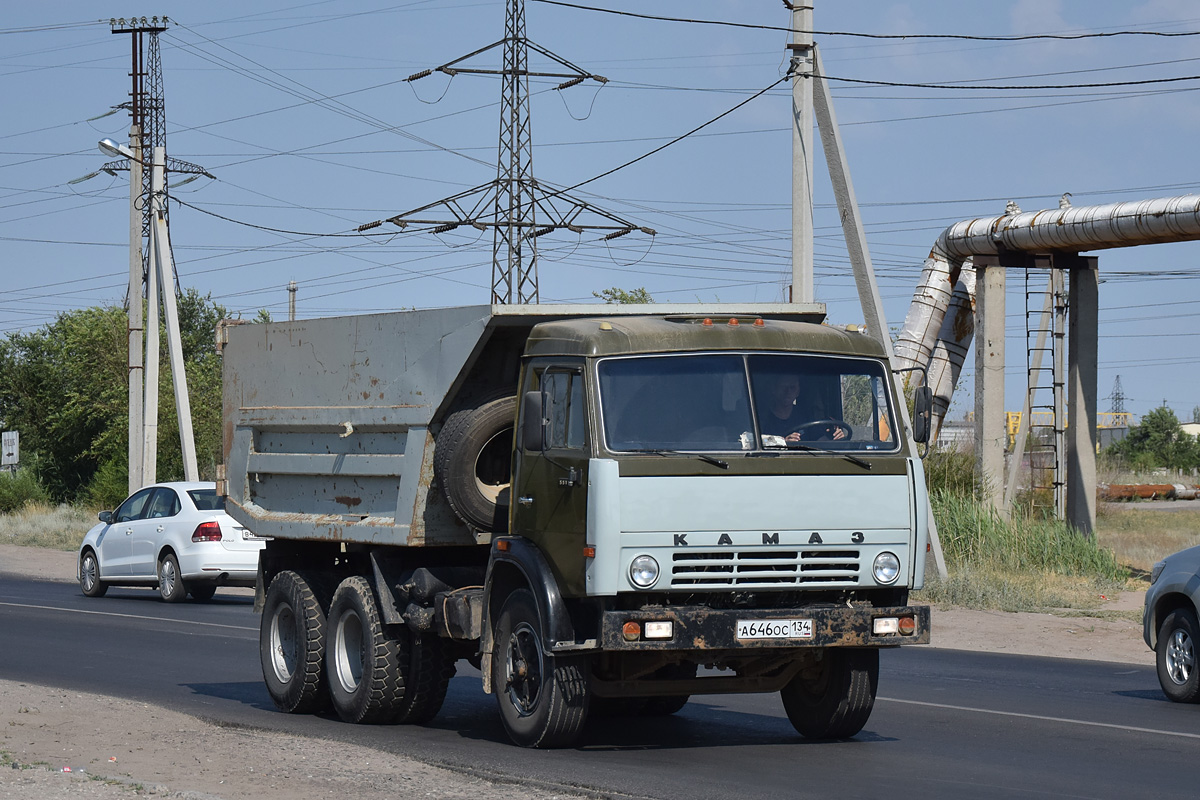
[604,512]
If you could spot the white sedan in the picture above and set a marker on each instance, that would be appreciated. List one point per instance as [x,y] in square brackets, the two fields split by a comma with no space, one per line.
[175,536]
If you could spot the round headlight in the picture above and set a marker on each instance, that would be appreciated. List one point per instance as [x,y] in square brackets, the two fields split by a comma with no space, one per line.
[643,572]
[886,568]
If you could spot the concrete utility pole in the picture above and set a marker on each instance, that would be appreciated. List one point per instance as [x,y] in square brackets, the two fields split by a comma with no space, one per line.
[137,345]
[802,153]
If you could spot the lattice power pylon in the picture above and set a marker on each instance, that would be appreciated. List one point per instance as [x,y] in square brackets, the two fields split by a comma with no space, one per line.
[147,111]
[516,206]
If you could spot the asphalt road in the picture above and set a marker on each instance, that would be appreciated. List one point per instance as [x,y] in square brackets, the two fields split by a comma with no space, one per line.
[947,724]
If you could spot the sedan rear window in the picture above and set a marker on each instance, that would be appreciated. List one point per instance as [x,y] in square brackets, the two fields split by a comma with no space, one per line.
[206,499]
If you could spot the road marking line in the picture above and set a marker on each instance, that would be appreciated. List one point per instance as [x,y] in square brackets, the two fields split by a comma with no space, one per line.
[1130,728]
[129,616]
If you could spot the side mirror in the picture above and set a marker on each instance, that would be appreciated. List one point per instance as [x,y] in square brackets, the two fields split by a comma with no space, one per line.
[533,431]
[105,517]
[922,413]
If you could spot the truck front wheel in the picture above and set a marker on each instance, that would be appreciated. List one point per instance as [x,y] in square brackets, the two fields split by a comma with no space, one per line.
[833,699]
[362,663]
[291,644]
[543,698]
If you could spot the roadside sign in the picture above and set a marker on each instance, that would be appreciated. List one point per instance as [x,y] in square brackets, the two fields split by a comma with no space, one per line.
[10,448]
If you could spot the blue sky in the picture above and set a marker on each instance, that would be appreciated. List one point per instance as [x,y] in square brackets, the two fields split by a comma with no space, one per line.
[301,112]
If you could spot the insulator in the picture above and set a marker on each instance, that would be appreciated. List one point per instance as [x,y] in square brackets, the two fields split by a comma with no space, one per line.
[648,231]
[449,226]
[368,226]
[416,76]
[544,231]
[570,83]
[618,234]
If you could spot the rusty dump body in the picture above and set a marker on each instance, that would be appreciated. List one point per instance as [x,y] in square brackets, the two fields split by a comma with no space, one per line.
[328,423]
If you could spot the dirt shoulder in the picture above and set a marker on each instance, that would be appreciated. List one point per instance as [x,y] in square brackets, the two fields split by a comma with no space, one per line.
[118,748]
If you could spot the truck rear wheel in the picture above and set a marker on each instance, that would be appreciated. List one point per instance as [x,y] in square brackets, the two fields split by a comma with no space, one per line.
[362,663]
[430,668]
[834,699]
[472,461]
[291,644]
[543,698]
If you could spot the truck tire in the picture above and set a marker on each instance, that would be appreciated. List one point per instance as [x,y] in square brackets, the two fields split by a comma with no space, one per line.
[291,644]
[834,700]
[543,698]
[362,663]
[472,461]
[1175,656]
[431,666]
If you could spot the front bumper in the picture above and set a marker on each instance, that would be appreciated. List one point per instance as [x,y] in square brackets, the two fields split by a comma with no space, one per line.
[703,628]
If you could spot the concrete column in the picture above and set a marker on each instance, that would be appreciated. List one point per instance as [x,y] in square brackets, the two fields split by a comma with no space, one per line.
[1082,342]
[989,379]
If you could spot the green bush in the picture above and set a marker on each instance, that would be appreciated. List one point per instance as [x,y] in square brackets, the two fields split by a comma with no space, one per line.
[109,486]
[19,489]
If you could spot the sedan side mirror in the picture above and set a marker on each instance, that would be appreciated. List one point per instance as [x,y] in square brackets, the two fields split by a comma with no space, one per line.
[106,517]
[533,431]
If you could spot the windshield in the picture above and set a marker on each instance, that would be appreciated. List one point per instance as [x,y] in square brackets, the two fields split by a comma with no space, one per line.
[742,401]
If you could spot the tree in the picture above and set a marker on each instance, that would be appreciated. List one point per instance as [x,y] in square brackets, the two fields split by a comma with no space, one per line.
[1159,441]
[66,391]
[616,296]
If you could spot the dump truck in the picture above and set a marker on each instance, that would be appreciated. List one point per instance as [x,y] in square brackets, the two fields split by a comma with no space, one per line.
[604,509]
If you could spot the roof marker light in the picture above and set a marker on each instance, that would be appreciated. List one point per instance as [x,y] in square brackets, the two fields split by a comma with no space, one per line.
[759,323]
[733,321]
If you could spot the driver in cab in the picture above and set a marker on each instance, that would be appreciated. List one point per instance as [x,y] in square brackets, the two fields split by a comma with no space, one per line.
[783,417]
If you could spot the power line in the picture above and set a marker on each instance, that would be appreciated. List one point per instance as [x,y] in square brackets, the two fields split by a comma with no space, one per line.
[856,34]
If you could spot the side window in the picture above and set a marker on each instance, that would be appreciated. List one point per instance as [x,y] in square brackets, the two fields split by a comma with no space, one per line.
[563,408]
[134,507]
[164,504]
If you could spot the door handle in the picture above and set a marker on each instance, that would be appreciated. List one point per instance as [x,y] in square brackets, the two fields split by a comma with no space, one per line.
[525,501]
[161,528]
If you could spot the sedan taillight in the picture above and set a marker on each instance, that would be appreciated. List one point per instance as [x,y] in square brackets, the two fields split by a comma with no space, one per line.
[207,532]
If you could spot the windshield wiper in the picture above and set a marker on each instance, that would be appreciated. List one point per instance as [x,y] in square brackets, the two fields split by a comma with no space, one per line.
[810,449]
[702,456]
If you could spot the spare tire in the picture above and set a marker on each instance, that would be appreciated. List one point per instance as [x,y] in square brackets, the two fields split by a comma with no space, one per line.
[472,461]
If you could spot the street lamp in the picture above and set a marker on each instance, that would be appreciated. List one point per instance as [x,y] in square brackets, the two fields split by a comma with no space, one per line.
[114,150]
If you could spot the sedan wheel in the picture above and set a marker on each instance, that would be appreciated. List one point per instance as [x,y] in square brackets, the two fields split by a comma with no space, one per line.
[89,575]
[170,585]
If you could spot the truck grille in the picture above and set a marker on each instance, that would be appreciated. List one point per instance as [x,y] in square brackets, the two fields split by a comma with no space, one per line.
[764,569]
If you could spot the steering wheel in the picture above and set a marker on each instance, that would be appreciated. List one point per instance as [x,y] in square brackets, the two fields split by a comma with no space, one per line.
[824,423]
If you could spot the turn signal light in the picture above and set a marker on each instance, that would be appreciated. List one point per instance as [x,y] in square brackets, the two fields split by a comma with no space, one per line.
[632,631]
[908,626]
[207,532]
[589,551]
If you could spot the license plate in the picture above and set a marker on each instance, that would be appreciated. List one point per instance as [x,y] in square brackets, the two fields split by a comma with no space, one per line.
[775,629]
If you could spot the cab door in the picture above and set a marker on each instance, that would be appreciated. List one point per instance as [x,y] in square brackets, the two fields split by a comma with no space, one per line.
[551,494]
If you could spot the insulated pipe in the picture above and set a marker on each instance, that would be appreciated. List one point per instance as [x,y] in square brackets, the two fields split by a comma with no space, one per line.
[1070,228]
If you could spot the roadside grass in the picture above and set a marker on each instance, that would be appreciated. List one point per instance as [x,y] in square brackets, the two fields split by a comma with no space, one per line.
[1141,536]
[55,527]
[1024,563]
